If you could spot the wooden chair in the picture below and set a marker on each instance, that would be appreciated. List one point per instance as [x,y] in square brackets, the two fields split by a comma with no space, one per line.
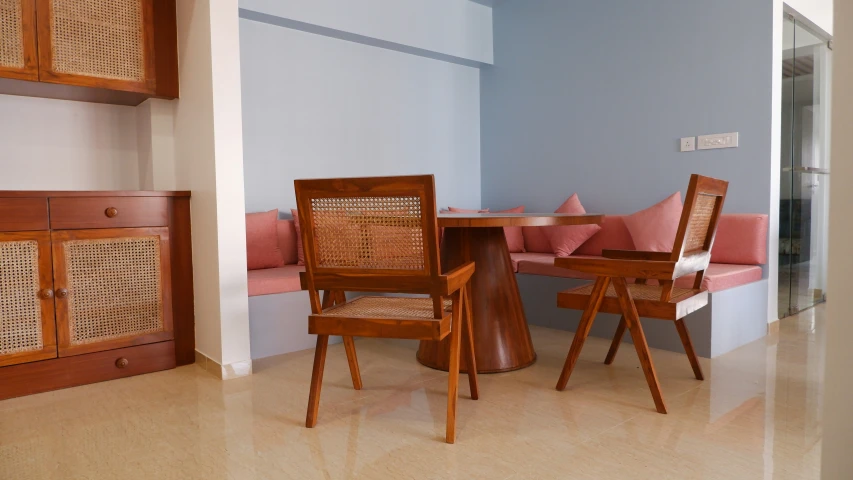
[381,235]
[611,292]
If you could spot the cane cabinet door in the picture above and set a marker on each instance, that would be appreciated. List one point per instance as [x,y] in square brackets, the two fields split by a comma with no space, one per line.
[113,288]
[97,43]
[18,55]
[27,328]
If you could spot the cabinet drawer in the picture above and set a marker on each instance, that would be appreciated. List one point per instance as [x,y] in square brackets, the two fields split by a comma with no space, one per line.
[108,212]
[67,372]
[23,214]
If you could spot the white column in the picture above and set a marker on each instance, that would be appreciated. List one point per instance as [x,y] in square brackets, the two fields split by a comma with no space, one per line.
[208,160]
[837,462]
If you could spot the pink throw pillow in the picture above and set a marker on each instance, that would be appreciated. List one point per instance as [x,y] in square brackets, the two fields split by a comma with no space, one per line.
[535,240]
[300,254]
[654,229]
[565,239]
[287,241]
[514,235]
[262,241]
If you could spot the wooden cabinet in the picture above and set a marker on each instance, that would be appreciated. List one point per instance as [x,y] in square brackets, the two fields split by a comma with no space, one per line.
[102,272]
[125,46]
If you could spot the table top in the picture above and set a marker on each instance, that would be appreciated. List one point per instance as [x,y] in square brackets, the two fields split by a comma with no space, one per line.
[484,220]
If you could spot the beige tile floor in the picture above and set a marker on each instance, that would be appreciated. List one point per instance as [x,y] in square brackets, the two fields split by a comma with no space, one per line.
[754,417]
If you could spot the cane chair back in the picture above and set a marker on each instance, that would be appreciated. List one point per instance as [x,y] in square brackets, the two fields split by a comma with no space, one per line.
[371,235]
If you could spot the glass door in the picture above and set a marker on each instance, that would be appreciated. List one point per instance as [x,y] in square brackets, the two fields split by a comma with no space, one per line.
[804,189]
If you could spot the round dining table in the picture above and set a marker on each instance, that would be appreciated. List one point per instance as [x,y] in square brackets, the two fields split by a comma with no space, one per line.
[501,335]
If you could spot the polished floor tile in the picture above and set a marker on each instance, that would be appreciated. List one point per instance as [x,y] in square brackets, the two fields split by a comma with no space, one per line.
[756,416]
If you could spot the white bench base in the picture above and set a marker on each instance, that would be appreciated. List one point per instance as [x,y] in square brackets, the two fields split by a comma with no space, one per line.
[733,317]
[278,324]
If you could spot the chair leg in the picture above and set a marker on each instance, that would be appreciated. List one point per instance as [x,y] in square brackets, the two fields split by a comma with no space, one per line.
[468,341]
[688,348]
[453,377]
[336,297]
[617,340]
[316,380]
[632,320]
[599,290]
[352,359]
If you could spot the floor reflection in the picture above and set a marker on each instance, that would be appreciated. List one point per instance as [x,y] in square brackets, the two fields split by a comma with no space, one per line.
[756,416]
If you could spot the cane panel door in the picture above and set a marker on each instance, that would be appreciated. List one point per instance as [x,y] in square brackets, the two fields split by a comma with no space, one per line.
[113,288]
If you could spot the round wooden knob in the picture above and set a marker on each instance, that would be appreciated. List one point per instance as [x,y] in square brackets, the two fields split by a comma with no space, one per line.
[122,362]
[46,293]
[111,212]
[61,293]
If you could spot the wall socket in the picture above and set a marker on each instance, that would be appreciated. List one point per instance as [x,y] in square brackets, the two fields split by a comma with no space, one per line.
[688,144]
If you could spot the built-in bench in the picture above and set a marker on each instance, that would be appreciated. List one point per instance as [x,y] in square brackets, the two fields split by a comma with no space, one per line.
[736,315]
[737,310]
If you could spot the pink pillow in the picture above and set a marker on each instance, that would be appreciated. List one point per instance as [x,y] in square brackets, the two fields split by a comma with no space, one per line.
[262,241]
[300,254]
[565,239]
[654,229]
[614,235]
[287,241]
[535,240]
[514,235]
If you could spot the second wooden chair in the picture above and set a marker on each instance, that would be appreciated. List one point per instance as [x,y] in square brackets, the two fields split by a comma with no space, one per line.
[611,292]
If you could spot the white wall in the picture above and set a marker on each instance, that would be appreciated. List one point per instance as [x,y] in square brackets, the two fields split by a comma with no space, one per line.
[818,11]
[459,28]
[836,461]
[62,145]
[315,106]
[155,133]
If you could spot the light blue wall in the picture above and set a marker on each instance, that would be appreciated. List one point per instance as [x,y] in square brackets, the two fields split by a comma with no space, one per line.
[592,97]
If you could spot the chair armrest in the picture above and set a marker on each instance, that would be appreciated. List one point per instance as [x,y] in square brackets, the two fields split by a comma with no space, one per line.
[457,278]
[619,268]
[636,255]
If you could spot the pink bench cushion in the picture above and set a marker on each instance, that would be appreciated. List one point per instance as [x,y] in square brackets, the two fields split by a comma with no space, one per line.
[614,235]
[718,276]
[275,280]
[741,239]
[287,241]
[262,249]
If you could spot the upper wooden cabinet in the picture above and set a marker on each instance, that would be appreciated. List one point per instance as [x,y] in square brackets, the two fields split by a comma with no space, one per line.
[103,45]
[18,54]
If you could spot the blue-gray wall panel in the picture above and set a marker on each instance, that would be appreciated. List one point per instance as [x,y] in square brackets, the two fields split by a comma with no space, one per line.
[592,97]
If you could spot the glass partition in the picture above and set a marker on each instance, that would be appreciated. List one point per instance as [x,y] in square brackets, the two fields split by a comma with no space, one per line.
[804,189]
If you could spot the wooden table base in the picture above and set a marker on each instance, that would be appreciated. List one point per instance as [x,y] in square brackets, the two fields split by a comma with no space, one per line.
[501,337]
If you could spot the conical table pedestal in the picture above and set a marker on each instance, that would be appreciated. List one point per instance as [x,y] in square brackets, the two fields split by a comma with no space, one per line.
[501,336]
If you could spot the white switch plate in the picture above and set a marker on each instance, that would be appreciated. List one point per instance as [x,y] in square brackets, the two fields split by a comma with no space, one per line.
[718,140]
[688,144]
